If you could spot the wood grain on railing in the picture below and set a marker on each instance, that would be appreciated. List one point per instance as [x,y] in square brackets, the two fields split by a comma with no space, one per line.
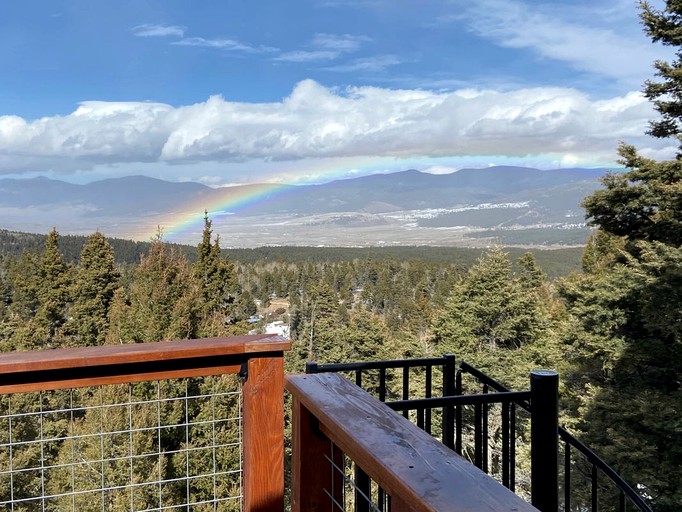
[417,471]
[263,445]
[63,368]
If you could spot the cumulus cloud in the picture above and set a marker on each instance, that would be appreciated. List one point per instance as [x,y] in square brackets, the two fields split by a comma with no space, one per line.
[156,30]
[317,122]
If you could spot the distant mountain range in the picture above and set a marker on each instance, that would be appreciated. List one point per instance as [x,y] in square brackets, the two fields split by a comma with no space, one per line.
[481,202]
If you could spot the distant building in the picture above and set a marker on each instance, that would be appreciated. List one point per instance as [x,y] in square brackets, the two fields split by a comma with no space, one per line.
[280,328]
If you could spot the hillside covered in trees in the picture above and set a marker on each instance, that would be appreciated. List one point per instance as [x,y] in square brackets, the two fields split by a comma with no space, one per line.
[499,313]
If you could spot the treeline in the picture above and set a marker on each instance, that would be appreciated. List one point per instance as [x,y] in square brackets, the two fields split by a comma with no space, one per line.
[555,262]
[14,243]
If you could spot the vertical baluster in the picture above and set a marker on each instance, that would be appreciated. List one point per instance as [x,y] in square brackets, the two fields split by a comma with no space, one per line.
[406,387]
[449,372]
[458,414]
[478,436]
[505,444]
[512,447]
[362,490]
[358,378]
[484,433]
[567,477]
[428,394]
[621,505]
[544,445]
[382,384]
[420,418]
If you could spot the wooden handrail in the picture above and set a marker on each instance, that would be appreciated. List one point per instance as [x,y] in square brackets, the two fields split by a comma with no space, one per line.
[62,368]
[139,352]
[417,471]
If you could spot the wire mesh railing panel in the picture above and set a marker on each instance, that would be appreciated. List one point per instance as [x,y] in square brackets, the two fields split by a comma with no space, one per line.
[350,489]
[151,446]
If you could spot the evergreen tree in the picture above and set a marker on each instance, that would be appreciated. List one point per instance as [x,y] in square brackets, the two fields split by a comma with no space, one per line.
[94,287]
[320,339]
[625,335]
[54,287]
[163,302]
[494,320]
[5,293]
[220,290]
[39,295]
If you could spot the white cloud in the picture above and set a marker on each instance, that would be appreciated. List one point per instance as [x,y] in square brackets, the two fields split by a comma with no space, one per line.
[591,47]
[342,43]
[439,169]
[376,63]
[308,56]
[156,30]
[315,122]
[325,47]
[224,44]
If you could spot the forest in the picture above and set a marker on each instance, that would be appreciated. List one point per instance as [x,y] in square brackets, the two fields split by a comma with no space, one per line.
[612,328]
[501,314]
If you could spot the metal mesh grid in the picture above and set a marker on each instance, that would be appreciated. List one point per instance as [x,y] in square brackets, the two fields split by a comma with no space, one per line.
[350,489]
[152,446]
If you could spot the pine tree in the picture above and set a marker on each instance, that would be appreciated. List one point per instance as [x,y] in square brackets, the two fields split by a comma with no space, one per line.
[163,302]
[625,333]
[93,290]
[220,290]
[39,298]
[54,287]
[493,319]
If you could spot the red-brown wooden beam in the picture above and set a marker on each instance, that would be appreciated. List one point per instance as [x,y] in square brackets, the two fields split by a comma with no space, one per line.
[312,473]
[43,370]
[263,445]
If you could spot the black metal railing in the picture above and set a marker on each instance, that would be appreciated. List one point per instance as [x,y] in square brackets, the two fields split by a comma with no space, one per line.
[338,428]
[433,394]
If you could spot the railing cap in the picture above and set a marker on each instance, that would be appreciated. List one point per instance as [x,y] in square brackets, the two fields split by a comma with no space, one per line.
[79,357]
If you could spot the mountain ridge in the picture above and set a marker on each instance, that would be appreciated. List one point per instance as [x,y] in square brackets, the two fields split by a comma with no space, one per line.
[407,203]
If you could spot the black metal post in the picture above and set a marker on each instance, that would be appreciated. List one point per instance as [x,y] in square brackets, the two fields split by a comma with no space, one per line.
[544,388]
[458,414]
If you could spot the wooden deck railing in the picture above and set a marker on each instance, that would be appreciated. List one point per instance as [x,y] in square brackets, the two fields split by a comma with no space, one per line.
[258,359]
[332,418]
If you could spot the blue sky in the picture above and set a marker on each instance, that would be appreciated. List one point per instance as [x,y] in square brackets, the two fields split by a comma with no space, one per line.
[307,90]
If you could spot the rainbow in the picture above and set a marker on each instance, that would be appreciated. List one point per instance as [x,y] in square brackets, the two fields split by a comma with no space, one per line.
[187,224]
[182,225]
